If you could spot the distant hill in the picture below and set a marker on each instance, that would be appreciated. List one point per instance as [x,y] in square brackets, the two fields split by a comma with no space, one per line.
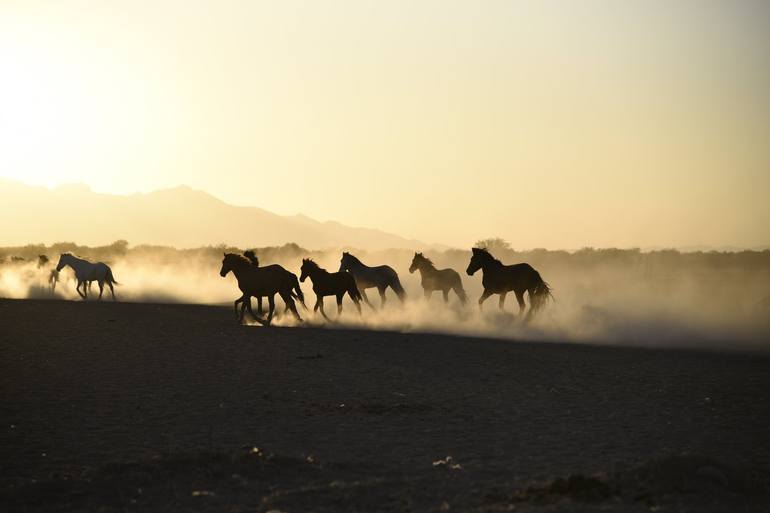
[181,217]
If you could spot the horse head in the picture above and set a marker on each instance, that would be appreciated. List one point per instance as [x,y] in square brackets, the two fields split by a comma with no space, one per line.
[227,264]
[416,262]
[479,257]
[307,267]
[64,259]
[345,261]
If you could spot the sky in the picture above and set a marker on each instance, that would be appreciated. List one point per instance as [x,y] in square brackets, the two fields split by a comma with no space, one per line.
[550,124]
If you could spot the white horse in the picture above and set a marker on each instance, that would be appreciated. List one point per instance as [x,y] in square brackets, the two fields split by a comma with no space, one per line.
[86,272]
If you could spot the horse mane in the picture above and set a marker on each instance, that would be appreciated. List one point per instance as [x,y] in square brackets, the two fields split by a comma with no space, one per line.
[312,263]
[237,257]
[352,257]
[485,254]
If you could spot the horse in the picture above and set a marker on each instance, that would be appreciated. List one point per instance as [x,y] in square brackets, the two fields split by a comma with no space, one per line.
[501,279]
[330,284]
[437,279]
[262,281]
[86,272]
[382,277]
[252,256]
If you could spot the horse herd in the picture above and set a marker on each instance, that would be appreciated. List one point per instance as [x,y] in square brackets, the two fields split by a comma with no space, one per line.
[353,278]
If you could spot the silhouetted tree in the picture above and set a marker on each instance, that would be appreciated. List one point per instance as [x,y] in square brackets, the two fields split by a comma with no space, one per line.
[495,243]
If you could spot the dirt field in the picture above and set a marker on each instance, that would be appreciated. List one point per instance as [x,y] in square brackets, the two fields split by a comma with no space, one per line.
[144,407]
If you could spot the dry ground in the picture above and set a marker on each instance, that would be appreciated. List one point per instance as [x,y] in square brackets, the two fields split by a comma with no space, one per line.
[145,407]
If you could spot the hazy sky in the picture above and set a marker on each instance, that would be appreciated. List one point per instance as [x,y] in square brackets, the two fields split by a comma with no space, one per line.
[551,124]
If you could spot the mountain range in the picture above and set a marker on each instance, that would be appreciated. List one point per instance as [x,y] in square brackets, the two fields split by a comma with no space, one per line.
[181,217]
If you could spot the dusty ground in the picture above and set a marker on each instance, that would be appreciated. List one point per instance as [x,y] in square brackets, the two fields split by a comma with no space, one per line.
[141,407]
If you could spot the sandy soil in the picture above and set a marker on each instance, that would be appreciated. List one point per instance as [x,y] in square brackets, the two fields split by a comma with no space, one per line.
[144,407]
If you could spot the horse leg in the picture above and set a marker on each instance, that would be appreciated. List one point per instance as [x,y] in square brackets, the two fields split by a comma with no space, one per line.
[290,305]
[243,312]
[320,304]
[259,305]
[101,289]
[460,293]
[484,296]
[112,290]
[271,309]
[502,301]
[339,304]
[427,293]
[356,301]
[366,299]
[520,299]
[382,290]
[235,304]
[446,295]
[247,302]
[77,289]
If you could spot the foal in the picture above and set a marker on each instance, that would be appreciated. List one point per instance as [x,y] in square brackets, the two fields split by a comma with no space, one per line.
[437,279]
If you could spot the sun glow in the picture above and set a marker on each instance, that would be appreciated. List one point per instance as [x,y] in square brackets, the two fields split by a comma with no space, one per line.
[72,109]
[45,115]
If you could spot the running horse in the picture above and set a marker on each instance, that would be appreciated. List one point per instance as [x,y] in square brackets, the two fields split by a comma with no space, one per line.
[381,277]
[86,272]
[252,257]
[437,279]
[330,284]
[501,279]
[262,281]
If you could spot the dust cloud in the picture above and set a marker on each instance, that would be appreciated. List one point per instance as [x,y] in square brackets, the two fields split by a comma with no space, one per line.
[624,297]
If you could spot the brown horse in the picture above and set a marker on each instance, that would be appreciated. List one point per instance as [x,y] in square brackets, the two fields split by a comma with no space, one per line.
[262,281]
[501,279]
[437,279]
[330,284]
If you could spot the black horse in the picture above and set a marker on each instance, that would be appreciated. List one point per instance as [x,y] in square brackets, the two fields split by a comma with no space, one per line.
[501,279]
[437,279]
[262,281]
[382,277]
[252,256]
[330,284]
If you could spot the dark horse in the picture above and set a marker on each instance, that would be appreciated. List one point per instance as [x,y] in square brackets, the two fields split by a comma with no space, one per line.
[330,284]
[249,253]
[437,279]
[382,277]
[501,279]
[262,281]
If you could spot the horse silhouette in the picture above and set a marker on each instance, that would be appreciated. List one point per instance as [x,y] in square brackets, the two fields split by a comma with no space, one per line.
[249,253]
[381,277]
[330,284]
[86,272]
[262,281]
[437,279]
[501,279]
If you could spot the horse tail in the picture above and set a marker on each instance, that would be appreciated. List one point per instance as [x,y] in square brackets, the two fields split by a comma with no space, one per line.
[540,293]
[111,278]
[298,295]
[459,290]
[397,288]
